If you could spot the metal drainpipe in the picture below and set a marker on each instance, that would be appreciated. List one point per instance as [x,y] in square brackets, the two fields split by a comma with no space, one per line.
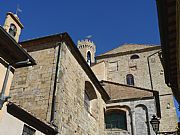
[55,84]
[147,120]
[151,76]
[4,98]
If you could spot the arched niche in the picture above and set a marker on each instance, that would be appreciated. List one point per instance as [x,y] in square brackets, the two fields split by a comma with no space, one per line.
[142,119]
[90,99]
[90,91]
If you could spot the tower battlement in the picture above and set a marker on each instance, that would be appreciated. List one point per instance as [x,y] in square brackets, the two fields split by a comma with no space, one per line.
[86,43]
[87,49]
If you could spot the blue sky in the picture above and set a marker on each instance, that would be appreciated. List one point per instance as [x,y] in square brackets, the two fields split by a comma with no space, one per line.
[111,23]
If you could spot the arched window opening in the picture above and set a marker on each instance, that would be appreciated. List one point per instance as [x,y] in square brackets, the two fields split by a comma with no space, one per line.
[89,58]
[12,30]
[135,56]
[130,79]
[89,94]
[116,119]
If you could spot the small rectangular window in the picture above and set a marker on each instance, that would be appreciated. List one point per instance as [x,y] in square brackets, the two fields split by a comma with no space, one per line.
[113,66]
[28,130]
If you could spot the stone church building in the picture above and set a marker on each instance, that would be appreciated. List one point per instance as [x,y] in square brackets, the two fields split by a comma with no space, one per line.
[115,93]
[133,77]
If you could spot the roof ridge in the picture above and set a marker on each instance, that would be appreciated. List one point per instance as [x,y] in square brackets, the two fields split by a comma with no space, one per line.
[41,37]
[106,55]
[148,45]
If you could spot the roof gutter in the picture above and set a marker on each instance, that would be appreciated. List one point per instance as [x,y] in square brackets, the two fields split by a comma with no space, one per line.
[11,42]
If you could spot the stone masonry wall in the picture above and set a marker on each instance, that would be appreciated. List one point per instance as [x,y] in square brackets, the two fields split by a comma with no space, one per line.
[71,116]
[32,86]
[118,67]
[138,114]
[100,70]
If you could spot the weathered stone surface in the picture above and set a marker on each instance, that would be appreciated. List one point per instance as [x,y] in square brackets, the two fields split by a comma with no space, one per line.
[33,87]
[138,115]
[71,115]
[119,65]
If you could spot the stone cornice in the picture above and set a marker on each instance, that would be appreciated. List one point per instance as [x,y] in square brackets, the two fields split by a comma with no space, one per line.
[127,52]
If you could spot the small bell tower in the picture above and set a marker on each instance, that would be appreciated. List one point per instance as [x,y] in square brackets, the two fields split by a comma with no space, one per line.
[88,50]
[13,26]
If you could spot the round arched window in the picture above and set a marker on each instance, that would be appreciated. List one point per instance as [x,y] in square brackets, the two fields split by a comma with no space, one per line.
[116,119]
[12,30]
[89,57]
[135,56]
[130,79]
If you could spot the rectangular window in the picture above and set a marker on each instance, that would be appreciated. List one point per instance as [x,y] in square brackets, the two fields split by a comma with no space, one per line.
[28,130]
[113,66]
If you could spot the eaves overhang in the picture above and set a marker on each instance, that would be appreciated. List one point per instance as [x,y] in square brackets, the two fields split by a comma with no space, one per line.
[167,15]
[12,52]
[31,120]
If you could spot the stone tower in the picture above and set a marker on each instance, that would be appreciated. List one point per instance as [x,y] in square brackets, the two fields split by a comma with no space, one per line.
[13,25]
[87,49]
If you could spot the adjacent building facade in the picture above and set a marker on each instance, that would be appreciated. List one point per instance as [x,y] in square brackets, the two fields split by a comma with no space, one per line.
[169,27]
[13,118]
[141,66]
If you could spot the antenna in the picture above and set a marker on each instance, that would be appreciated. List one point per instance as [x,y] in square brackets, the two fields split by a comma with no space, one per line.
[18,9]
